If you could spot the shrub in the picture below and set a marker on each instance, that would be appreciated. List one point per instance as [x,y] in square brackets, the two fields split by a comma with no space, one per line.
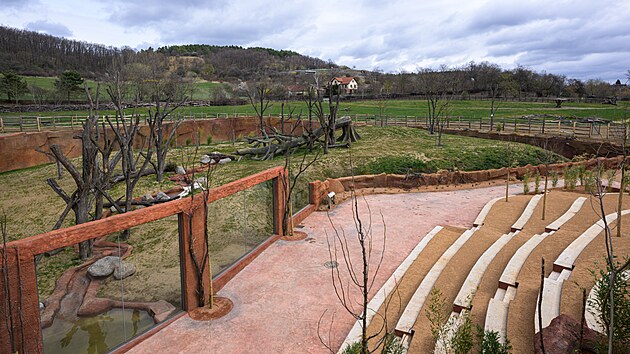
[554,179]
[536,183]
[396,165]
[209,140]
[490,342]
[463,341]
[526,179]
[621,295]
[170,166]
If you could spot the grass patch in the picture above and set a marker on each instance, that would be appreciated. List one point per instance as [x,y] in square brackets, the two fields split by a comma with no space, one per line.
[33,208]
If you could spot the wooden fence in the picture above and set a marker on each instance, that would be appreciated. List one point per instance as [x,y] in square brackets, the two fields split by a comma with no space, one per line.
[576,128]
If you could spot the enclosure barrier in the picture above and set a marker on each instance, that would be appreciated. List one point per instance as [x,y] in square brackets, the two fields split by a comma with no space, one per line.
[591,129]
[19,313]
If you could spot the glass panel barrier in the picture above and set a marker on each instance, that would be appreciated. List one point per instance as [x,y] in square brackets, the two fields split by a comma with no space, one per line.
[98,306]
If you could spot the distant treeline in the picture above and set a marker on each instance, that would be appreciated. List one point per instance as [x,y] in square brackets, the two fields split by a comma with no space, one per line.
[35,54]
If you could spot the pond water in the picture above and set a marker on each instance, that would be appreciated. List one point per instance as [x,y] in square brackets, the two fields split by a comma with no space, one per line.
[98,334]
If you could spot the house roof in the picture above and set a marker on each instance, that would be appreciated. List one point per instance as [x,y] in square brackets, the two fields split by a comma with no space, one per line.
[296,88]
[344,80]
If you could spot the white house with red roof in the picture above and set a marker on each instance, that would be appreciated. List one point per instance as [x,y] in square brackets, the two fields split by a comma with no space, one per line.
[347,84]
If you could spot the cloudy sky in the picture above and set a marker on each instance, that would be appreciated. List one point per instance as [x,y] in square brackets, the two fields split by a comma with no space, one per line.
[581,38]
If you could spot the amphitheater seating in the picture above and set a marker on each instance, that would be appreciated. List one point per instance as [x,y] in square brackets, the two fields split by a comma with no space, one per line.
[498,306]
[454,262]
[562,267]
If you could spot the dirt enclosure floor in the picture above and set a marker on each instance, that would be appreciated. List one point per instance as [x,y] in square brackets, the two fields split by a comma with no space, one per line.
[280,297]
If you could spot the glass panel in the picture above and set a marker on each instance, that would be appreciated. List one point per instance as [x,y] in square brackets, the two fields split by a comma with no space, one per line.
[238,223]
[300,195]
[97,307]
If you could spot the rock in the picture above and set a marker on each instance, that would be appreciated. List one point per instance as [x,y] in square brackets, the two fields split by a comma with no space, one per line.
[180,170]
[224,161]
[201,181]
[161,196]
[161,310]
[563,336]
[205,159]
[148,197]
[123,270]
[41,305]
[104,267]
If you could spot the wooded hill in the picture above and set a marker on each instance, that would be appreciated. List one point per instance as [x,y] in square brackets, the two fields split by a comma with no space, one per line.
[35,54]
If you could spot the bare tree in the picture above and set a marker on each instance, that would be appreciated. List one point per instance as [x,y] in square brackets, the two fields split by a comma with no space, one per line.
[260,99]
[167,93]
[125,130]
[81,200]
[434,86]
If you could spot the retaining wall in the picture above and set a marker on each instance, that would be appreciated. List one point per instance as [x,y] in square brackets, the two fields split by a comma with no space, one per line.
[19,150]
[320,189]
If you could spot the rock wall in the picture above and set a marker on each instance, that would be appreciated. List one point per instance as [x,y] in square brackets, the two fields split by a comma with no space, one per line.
[19,150]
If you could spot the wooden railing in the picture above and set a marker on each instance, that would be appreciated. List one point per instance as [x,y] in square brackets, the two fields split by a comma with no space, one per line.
[18,269]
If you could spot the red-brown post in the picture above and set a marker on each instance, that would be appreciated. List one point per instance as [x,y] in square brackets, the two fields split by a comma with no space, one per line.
[279,199]
[23,307]
[194,217]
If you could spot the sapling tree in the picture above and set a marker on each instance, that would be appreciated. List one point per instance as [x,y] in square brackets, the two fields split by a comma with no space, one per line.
[614,267]
[354,276]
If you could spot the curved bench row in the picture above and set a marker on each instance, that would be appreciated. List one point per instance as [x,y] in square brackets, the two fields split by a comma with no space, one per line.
[562,267]
[498,306]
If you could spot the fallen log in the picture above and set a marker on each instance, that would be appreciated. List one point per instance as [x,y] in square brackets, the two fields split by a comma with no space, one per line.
[275,144]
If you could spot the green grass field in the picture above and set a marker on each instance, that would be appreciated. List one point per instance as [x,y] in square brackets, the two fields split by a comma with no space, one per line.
[468,109]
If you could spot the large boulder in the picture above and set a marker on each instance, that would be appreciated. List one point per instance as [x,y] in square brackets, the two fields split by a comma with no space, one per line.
[563,336]
[123,270]
[104,267]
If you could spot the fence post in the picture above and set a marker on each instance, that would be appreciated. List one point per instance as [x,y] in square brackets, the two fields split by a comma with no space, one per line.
[279,199]
[608,132]
[543,126]
[39,127]
[559,129]
[23,310]
[590,130]
[515,126]
[480,122]
[529,125]
[195,218]
[573,131]
[1,125]
[21,127]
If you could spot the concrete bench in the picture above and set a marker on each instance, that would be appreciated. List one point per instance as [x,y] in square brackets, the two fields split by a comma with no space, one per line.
[570,254]
[527,213]
[412,310]
[575,207]
[513,268]
[485,211]
[467,292]
[390,285]
[552,295]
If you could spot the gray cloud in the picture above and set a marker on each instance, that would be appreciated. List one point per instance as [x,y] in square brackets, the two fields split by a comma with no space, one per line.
[52,28]
[18,4]
[570,37]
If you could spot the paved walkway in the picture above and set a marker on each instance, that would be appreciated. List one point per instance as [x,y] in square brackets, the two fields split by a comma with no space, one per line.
[280,297]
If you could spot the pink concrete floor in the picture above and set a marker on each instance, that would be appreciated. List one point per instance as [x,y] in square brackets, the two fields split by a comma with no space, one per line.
[280,297]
